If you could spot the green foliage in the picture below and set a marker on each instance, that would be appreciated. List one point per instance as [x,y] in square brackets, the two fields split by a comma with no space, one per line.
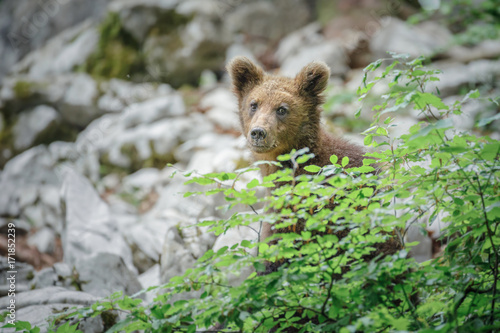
[335,273]
[117,54]
[23,89]
[472,21]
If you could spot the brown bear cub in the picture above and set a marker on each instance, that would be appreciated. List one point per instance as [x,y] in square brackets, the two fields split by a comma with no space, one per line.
[278,114]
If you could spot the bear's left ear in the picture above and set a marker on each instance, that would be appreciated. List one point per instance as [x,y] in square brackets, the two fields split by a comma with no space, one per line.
[313,79]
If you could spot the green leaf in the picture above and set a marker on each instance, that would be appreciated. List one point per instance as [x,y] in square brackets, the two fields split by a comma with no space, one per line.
[471,94]
[368,139]
[312,168]
[345,161]
[443,123]
[253,183]
[334,159]
[485,121]
[421,100]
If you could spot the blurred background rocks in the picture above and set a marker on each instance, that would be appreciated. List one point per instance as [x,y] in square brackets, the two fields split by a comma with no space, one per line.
[98,96]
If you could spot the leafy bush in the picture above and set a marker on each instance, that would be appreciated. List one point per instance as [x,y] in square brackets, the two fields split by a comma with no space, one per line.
[328,283]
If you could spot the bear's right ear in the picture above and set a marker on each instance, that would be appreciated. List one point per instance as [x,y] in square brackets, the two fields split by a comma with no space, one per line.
[244,74]
[313,79]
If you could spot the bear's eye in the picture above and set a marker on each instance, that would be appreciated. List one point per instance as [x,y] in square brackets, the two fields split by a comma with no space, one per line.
[253,106]
[282,111]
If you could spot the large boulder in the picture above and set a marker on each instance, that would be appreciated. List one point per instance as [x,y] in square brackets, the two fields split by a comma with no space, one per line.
[29,26]
[426,39]
[89,230]
[306,45]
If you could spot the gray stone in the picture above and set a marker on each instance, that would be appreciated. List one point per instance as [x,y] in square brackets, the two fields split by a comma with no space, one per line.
[138,17]
[44,278]
[182,248]
[22,175]
[43,240]
[31,123]
[425,39]
[152,110]
[457,75]
[147,236]
[78,104]
[105,273]
[328,51]
[144,180]
[239,49]
[89,230]
[487,49]
[119,94]
[202,47]
[268,20]
[62,53]
[221,106]
[29,26]
[310,34]
[151,278]
[24,275]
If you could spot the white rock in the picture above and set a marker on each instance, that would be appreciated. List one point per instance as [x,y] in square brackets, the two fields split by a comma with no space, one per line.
[456,75]
[152,110]
[89,230]
[239,49]
[489,49]
[22,176]
[222,108]
[180,250]
[44,240]
[328,51]
[148,235]
[269,20]
[426,39]
[151,277]
[105,273]
[288,46]
[62,53]
[31,123]
[51,295]
[78,104]
[145,179]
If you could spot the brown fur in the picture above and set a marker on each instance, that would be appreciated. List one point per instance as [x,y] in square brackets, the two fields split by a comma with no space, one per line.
[300,127]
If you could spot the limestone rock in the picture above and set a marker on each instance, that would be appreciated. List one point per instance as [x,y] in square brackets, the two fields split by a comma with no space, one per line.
[105,273]
[78,104]
[426,39]
[31,123]
[222,107]
[89,230]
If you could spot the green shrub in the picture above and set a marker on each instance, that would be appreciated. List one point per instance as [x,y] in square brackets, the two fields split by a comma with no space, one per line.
[327,284]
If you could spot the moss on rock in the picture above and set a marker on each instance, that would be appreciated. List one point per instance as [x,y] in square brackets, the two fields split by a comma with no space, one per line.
[118,54]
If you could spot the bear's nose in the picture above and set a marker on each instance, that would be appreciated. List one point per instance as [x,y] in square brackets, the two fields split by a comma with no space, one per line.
[258,134]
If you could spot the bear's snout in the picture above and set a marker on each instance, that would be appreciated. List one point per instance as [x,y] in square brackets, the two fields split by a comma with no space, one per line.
[259,140]
[257,134]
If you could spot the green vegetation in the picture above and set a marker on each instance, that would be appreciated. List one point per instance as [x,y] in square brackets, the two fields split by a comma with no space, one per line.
[23,89]
[471,21]
[117,54]
[332,282]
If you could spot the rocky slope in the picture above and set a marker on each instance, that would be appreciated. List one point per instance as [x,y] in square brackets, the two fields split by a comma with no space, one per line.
[95,102]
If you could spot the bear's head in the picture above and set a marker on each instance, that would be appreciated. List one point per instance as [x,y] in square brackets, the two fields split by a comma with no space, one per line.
[278,114]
